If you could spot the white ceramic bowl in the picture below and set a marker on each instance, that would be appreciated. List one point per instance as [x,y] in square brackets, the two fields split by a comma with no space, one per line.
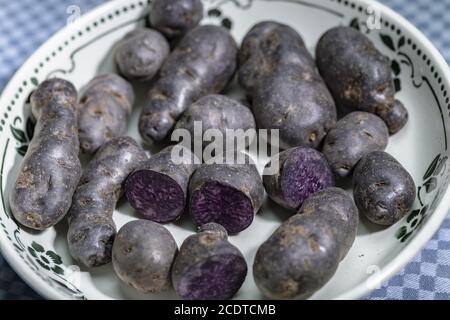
[83,49]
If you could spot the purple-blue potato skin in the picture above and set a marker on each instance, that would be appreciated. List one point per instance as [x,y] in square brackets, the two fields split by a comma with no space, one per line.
[174,18]
[217,112]
[202,63]
[228,194]
[397,117]
[208,267]
[103,111]
[382,188]
[50,170]
[355,135]
[157,189]
[286,89]
[141,53]
[358,75]
[143,254]
[302,172]
[91,227]
[303,254]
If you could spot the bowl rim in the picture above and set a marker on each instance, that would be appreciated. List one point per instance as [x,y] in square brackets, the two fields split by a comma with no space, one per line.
[361,290]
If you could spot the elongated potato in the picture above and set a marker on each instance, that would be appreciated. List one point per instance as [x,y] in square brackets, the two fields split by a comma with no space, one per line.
[287,91]
[355,135]
[304,252]
[103,111]
[382,188]
[50,171]
[202,63]
[91,227]
[359,76]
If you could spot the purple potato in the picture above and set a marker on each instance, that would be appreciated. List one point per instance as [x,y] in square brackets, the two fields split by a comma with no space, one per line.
[303,254]
[141,53]
[50,170]
[358,75]
[301,172]
[382,188]
[217,112]
[174,18]
[354,136]
[142,256]
[229,194]
[91,227]
[202,63]
[208,267]
[157,189]
[103,111]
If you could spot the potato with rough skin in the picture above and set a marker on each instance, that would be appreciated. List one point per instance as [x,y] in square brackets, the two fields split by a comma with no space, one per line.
[217,112]
[304,252]
[229,194]
[301,172]
[354,136]
[174,18]
[157,189]
[202,63]
[359,76]
[382,188]
[141,53]
[50,170]
[143,253]
[208,267]
[103,111]
[91,227]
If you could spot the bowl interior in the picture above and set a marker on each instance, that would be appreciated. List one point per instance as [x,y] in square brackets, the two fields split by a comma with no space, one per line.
[84,49]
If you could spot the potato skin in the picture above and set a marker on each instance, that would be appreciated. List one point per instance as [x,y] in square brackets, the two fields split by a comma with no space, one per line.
[304,252]
[287,91]
[217,112]
[103,111]
[383,190]
[354,136]
[202,63]
[141,53]
[357,74]
[143,253]
[208,266]
[302,172]
[50,170]
[174,18]
[91,227]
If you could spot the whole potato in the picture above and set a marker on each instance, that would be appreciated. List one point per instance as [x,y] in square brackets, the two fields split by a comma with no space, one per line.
[354,136]
[383,190]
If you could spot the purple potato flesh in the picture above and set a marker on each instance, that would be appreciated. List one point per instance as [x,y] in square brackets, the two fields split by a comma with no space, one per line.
[302,172]
[208,267]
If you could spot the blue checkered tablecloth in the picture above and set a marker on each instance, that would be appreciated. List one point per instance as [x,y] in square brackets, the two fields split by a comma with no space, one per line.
[25,24]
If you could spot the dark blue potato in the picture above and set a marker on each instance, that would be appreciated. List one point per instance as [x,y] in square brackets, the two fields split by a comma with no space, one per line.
[265,47]
[359,76]
[229,194]
[91,227]
[50,170]
[355,135]
[103,111]
[217,112]
[143,253]
[208,267]
[203,63]
[304,252]
[301,172]
[382,188]
[174,18]
[157,189]
[141,53]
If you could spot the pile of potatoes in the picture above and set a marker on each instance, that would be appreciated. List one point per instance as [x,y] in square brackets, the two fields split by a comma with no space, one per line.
[189,66]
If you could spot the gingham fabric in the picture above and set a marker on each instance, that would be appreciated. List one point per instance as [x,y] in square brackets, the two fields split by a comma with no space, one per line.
[25,24]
